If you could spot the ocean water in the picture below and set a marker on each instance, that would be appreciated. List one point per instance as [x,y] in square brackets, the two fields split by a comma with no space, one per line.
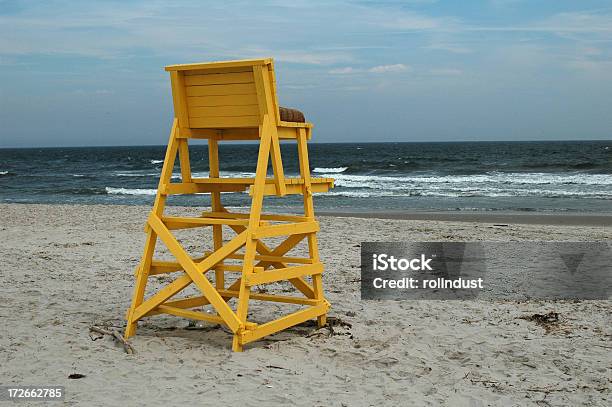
[466,176]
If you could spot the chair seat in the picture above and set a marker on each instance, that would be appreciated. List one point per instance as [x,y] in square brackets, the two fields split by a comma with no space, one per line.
[291,115]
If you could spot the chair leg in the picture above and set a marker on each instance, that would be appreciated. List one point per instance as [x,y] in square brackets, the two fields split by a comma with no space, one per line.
[141,282]
[317,279]
[243,307]
[313,245]
[149,249]
[318,289]
[215,197]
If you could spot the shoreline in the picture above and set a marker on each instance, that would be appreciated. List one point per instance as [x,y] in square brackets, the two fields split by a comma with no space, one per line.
[506,218]
[502,218]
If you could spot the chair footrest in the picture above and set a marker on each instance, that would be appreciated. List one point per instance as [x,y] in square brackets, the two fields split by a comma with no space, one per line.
[178,222]
[286,229]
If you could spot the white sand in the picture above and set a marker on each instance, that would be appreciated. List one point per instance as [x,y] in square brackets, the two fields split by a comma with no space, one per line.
[65,268]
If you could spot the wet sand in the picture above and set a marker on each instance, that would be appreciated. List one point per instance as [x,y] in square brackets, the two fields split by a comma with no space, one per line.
[522,218]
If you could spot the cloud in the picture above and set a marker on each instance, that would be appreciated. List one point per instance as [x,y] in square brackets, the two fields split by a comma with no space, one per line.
[229,29]
[343,71]
[389,68]
[347,70]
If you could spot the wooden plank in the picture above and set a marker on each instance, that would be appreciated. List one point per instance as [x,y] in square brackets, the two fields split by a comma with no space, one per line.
[284,247]
[284,230]
[273,217]
[164,266]
[284,133]
[213,164]
[219,64]
[275,275]
[195,270]
[283,323]
[225,181]
[188,302]
[236,133]
[273,259]
[219,79]
[199,316]
[228,267]
[149,248]
[222,100]
[295,125]
[221,90]
[272,298]
[313,248]
[297,189]
[199,301]
[179,98]
[178,222]
[249,181]
[213,71]
[184,160]
[224,121]
[167,169]
[266,97]
[161,296]
[277,162]
[261,92]
[243,110]
[210,260]
[272,79]
[251,244]
[191,302]
[193,188]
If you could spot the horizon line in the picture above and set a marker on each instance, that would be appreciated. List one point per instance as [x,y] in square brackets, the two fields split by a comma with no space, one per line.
[238,142]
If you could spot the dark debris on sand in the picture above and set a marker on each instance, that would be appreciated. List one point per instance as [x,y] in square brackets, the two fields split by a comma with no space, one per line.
[547,321]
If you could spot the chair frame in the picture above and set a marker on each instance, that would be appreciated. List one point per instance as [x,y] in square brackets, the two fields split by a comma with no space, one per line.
[260,264]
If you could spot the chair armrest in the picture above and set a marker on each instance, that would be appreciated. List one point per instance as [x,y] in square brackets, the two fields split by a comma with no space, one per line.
[295,124]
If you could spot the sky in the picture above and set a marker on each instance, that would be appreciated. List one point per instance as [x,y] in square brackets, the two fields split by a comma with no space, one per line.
[84,73]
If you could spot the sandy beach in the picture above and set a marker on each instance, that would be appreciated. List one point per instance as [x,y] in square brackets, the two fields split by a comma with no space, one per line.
[67,267]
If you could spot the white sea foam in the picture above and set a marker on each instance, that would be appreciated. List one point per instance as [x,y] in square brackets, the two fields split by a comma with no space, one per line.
[465,194]
[128,191]
[157,161]
[384,182]
[225,174]
[494,184]
[3,172]
[361,194]
[330,170]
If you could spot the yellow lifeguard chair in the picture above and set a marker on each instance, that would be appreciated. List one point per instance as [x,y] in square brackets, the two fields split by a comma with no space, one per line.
[233,100]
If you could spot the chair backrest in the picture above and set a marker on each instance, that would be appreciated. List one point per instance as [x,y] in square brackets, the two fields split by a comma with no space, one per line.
[228,94]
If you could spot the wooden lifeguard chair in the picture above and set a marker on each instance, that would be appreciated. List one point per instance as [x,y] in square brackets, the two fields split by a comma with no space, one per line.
[233,100]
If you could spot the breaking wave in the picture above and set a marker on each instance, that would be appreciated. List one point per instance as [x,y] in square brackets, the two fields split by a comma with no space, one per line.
[598,186]
[130,191]
[330,170]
